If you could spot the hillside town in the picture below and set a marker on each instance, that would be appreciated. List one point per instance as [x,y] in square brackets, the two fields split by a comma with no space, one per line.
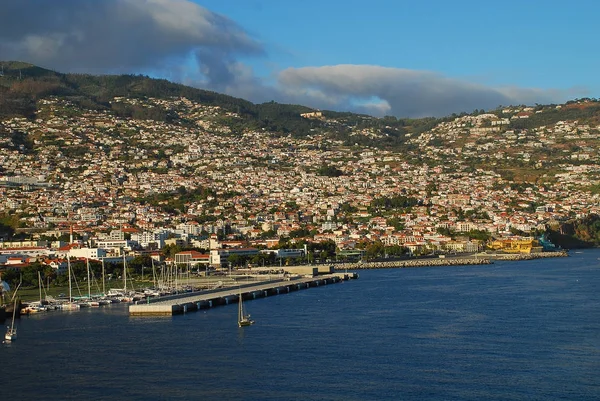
[88,183]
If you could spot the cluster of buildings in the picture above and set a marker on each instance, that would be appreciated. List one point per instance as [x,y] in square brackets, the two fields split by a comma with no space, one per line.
[94,172]
[114,248]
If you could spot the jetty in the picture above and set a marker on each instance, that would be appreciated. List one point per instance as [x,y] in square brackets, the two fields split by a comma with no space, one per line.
[190,302]
[483,258]
[428,262]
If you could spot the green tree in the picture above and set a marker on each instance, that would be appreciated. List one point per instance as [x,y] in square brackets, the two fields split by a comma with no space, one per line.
[374,250]
[236,260]
[329,171]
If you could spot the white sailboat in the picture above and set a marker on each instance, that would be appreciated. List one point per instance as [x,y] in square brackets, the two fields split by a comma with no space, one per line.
[103,281]
[89,301]
[70,305]
[122,294]
[37,306]
[11,333]
[243,319]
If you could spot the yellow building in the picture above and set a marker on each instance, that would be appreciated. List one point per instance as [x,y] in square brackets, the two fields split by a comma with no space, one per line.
[516,246]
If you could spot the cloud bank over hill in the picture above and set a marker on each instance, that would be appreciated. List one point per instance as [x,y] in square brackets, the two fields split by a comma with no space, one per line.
[403,92]
[182,41]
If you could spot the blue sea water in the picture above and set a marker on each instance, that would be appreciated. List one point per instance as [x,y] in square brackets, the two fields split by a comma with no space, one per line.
[508,331]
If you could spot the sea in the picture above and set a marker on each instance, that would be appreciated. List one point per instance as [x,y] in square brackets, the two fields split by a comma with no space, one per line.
[527,330]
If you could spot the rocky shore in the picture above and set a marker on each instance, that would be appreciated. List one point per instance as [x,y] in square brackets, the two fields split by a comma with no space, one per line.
[477,259]
[522,256]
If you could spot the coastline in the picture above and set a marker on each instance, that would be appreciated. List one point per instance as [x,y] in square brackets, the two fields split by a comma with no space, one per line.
[476,259]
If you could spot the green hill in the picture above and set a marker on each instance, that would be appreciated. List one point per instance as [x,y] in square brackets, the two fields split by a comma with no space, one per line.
[22,85]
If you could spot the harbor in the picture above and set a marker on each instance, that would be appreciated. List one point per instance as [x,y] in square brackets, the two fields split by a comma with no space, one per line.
[191,294]
[251,283]
[447,320]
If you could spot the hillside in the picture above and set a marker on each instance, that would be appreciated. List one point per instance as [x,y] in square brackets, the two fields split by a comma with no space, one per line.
[110,150]
[23,84]
[519,142]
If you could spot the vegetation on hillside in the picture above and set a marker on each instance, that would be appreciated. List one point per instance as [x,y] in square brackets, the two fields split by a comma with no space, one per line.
[395,203]
[176,202]
[22,85]
[581,110]
[580,233]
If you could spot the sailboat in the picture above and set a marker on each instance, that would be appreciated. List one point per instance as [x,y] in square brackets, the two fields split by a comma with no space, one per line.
[70,305]
[37,306]
[89,301]
[11,333]
[243,319]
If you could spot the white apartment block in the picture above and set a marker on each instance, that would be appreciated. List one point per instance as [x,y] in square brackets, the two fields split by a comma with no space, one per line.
[88,253]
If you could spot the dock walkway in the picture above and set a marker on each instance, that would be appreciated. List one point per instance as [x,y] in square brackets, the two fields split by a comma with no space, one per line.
[207,299]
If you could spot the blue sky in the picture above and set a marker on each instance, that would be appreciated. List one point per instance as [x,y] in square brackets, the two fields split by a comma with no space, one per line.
[541,44]
[403,58]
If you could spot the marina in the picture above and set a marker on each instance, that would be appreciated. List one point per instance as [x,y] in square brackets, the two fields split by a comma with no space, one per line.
[184,295]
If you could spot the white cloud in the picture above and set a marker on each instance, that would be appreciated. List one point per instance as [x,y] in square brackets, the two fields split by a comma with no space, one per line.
[407,93]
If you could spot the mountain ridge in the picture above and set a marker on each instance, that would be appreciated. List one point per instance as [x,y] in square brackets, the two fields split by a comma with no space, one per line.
[23,83]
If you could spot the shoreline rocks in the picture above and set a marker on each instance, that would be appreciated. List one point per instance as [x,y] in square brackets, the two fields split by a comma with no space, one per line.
[481,259]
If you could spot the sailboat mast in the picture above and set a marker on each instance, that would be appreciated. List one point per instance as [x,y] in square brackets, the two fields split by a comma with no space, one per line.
[124,274]
[240,313]
[12,325]
[176,274]
[70,285]
[40,284]
[103,285]
[153,273]
[87,261]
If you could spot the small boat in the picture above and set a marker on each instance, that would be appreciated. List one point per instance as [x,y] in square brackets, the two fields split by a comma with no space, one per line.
[31,309]
[70,306]
[243,319]
[11,333]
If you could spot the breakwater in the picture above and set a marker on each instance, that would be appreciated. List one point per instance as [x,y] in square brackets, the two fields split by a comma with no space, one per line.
[523,256]
[477,259]
[412,263]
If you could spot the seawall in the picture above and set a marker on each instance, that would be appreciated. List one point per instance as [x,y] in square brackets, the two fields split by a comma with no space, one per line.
[477,259]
